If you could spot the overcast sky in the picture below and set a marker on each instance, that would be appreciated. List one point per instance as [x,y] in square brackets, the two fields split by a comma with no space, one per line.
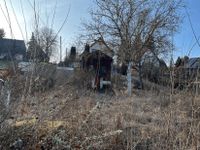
[78,10]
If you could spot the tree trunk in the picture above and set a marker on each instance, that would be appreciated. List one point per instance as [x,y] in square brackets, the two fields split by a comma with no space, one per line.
[140,75]
[129,81]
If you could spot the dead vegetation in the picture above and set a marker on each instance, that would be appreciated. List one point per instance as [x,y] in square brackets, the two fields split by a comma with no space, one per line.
[56,109]
[71,116]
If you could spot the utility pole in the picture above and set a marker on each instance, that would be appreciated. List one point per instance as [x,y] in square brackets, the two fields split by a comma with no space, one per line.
[66,54]
[60,48]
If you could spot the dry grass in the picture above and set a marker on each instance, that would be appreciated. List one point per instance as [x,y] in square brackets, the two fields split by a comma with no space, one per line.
[70,117]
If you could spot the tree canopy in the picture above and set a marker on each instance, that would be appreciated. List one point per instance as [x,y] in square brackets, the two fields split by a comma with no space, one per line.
[2,33]
[134,27]
[42,44]
[35,51]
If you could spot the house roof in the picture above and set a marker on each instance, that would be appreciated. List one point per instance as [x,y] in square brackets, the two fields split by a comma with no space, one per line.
[99,45]
[12,46]
[193,63]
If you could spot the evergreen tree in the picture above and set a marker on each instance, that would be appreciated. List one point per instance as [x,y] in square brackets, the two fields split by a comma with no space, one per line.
[87,48]
[35,52]
[72,55]
[178,62]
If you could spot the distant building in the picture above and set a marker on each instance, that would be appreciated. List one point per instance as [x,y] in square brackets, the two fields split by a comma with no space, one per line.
[192,67]
[193,63]
[98,57]
[189,66]
[187,71]
[11,49]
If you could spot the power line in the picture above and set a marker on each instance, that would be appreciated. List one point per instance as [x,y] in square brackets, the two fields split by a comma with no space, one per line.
[193,31]
[17,20]
[22,9]
[4,14]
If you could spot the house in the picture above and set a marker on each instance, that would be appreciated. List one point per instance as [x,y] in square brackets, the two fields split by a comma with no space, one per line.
[11,49]
[192,68]
[188,66]
[187,71]
[98,57]
[193,64]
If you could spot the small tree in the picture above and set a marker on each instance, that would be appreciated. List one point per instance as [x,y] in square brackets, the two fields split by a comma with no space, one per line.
[47,40]
[2,33]
[178,62]
[43,45]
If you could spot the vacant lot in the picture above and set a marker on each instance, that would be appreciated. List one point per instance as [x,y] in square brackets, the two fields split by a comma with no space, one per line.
[69,116]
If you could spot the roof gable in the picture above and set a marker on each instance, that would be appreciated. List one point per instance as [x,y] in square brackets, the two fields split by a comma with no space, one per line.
[99,45]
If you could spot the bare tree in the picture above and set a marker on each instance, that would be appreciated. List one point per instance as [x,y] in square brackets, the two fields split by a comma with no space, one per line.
[47,40]
[2,33]
[41,47]
[134,27]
